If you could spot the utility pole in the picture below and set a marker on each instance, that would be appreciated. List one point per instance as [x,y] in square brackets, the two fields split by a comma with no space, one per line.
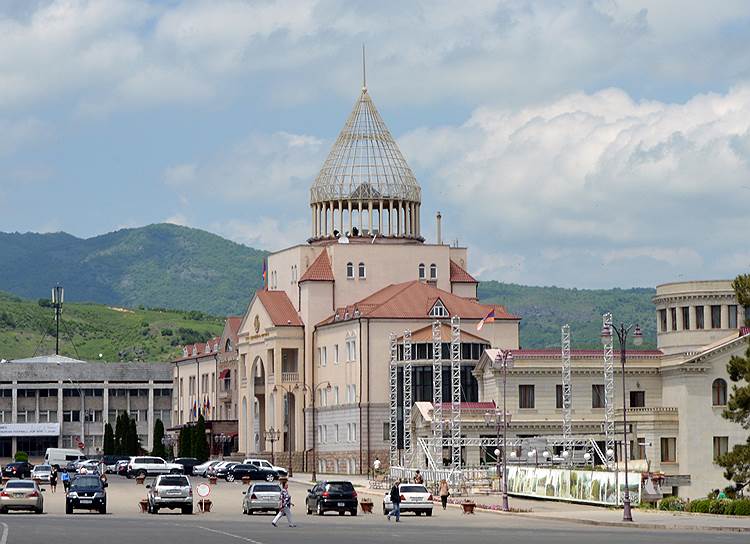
[58,294]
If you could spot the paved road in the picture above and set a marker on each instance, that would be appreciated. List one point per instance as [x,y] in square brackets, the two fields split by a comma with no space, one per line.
[227,525]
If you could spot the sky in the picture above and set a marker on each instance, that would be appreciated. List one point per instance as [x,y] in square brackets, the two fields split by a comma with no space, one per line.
[585,144]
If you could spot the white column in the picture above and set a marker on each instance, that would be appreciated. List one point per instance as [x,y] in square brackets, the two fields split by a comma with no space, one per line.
[691,315]
[680,324]
[105,402]
[59,411]
[14,415]
[36,407]
[724,316]
[369,207]
[151,418]
[390,218]
[707,324]
[380,217]
[359,207]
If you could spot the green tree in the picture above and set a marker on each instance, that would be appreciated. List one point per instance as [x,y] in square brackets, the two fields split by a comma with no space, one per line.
[109,440]
[133,442]
[185,445]
[200,444]
[121,434]
[159,449]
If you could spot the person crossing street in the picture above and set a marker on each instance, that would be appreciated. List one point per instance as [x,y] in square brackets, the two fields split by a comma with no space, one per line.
[395,501]
[285,507]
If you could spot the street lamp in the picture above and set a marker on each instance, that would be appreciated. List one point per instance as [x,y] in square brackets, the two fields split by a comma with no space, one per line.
[272,435]
[289,416]
[504,361]
[306,388]
[622,336]
[58,294]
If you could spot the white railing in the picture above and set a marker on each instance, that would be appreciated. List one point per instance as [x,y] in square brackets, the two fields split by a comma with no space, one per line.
[289,377]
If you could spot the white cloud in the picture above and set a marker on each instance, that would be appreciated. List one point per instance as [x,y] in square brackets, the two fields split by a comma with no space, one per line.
[265,232]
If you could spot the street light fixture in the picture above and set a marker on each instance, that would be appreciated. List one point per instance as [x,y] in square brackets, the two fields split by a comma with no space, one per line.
[622,336]
[306,388]
[272,435]
[504,361]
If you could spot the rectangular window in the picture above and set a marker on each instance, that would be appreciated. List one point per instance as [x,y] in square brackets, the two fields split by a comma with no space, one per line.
[715,316]
[637,399]
[668,450]
[673,317]
[732,316]
[685,318]
[71,415]
[559,396]
[335,354]
[526,396]
[663,320]
[323,356]
[336,394]
[71,393]
[597,396]
[337,432]
[721,446]
[47,416]
[386,431]
[700,322]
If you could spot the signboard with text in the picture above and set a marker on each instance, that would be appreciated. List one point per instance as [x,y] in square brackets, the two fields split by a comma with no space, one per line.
[29,429]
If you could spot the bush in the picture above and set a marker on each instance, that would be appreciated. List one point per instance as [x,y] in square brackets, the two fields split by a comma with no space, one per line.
[673,504]
[166,332]
[21,456]
[699,505]
[717,506]
[739,507]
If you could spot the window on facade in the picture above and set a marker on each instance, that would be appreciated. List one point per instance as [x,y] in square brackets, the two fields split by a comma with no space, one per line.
[228,345]
[323,356]
[663,320]
[719,392]
[715,316]
[685,318]
[559,396]
[386,431]
[732,316]
[637,399]
[700,322]
[668,450]
[350,271]
[597,396]
[439,310]
[673,317]
[721,446]
[526,396]
[71,393]
[421,271]
[433,271]
[71,415]
[335,354]
[362,271]
[351,350]
[336,394]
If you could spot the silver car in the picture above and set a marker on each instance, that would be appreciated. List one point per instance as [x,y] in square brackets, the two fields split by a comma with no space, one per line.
[170,491]
[261,497]
[41,473]
[21,495]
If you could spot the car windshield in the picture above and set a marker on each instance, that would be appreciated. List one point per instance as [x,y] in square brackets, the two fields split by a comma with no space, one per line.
[266,488]
[86,482]
[174,480]
[413,489]
[20,485]
[340,487]
[43,467]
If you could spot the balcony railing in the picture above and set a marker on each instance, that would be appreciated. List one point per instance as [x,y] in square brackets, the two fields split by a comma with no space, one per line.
[290,377]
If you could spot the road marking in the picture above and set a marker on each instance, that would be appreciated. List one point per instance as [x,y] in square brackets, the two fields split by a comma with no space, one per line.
[4,538]
[238,537]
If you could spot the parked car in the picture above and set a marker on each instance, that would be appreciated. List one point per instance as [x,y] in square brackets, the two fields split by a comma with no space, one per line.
[21,495]
[262,463]
[121,467]
[151,466]
[239,471]
[222,469]
[17,469]
[261,498]
[89,466]
[170,491]
[414,498]
[200,470]
[338,496]
[188,463]
[41,473]
[110,462]
[86,492]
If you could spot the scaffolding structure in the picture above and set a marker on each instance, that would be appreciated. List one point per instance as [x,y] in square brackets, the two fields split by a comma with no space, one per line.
[567,389]
[393,382]
[456,392]
[609,392]
[437,392]
[407,390]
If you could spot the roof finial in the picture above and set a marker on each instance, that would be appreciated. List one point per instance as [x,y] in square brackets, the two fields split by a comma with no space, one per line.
[364,69]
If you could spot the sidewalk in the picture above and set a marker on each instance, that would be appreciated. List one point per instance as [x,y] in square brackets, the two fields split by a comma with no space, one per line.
[570,512]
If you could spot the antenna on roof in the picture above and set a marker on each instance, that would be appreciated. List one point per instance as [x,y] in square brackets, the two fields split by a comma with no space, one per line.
[364,70]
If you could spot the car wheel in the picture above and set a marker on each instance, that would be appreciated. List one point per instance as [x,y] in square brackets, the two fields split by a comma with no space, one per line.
[341,512]
[354,512]
[68,509]
[4,510]
[188,510]
[270,478]
[428,513]
[417,513]
[319,509]
[154,509]
[307,507]
[103,509]
[141,473]
[230,477]
[385,510]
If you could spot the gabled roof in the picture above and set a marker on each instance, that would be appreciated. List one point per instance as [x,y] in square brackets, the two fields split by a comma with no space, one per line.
[320,269]
[280,309]
[727,343]
[459,275]
[200,349]
[234,322]
[413,300]
[425,335]
[54,359]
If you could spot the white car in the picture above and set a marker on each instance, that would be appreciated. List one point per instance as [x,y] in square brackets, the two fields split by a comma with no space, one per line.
[41,473]
[262,463]
[90,465]
[152,466]
[200,470]
[414,498]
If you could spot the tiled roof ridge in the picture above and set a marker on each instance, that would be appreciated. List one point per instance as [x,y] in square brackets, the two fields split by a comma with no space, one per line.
[320,269]
[459,274]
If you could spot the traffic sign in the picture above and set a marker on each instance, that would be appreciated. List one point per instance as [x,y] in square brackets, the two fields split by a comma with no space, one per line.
[203,490]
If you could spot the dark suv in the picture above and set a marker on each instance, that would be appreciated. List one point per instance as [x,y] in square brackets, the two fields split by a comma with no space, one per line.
[338,496]
[18,469]
[86,492]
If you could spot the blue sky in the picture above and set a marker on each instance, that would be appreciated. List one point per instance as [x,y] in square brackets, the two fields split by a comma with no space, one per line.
[587,144]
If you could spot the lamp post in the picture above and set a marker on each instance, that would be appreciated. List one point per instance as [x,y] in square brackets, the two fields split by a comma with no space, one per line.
[306,388]
[272,435]
[622,336]
[58,294]
[504,361]
[289,424]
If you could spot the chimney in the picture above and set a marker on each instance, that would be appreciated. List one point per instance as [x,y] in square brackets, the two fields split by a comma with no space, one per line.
[439,233]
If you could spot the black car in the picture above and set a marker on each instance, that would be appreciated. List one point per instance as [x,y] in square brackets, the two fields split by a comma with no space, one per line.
[187,464]
[237,472]
[338,496]
[18,469]
[86,492]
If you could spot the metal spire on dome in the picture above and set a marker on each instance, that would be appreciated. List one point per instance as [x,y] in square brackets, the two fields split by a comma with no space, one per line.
[364,69]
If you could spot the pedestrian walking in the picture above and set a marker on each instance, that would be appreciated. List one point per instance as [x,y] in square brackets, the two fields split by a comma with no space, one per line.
[53,480]
[395,501]
[418,479]
[285,507]
[376,467]
[65,481]
[444,492]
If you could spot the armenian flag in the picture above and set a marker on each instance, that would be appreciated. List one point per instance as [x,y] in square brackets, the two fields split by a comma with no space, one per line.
[489,318]
[265,274]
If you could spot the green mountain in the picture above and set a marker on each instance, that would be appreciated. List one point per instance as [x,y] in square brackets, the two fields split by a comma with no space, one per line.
[27,328]
[155,266]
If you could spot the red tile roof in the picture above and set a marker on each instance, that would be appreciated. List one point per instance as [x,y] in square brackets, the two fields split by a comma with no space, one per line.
[195,351]
[320,269]
[234,323]
[425,335]
[414,300]
[459,275]
[279,308]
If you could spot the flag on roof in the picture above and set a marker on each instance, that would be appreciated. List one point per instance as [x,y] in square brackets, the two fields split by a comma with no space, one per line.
[489,318]
[265,274]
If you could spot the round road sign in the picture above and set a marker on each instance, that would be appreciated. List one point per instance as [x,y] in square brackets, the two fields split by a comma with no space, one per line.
[203,490]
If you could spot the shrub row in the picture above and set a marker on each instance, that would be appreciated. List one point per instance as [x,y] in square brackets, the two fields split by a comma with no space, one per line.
[738,507]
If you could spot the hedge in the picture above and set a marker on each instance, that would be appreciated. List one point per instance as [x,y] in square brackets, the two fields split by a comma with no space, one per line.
[672,503]
[738,507]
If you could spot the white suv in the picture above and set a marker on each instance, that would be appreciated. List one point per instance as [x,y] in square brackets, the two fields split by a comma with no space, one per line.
[152,466]
[262,463]
[170,491]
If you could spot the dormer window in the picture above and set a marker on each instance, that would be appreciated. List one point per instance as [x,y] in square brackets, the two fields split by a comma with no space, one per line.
[362,271]
[350,271]
[228,345]
[421,271]
[439,310]
[433,271]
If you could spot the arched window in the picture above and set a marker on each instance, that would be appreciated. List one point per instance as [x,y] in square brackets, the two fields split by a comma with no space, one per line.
[719,392]
[228,345]
[433,271]
[362,270]
[350,271]
[421,271]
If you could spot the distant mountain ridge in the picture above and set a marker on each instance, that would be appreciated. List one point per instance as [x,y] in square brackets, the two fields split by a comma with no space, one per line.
[169,266]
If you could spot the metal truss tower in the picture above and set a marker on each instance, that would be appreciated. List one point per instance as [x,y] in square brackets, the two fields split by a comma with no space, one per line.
[408,453]
[456,392]
[437,393]
[609,393]
[567,391]
[393,383]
